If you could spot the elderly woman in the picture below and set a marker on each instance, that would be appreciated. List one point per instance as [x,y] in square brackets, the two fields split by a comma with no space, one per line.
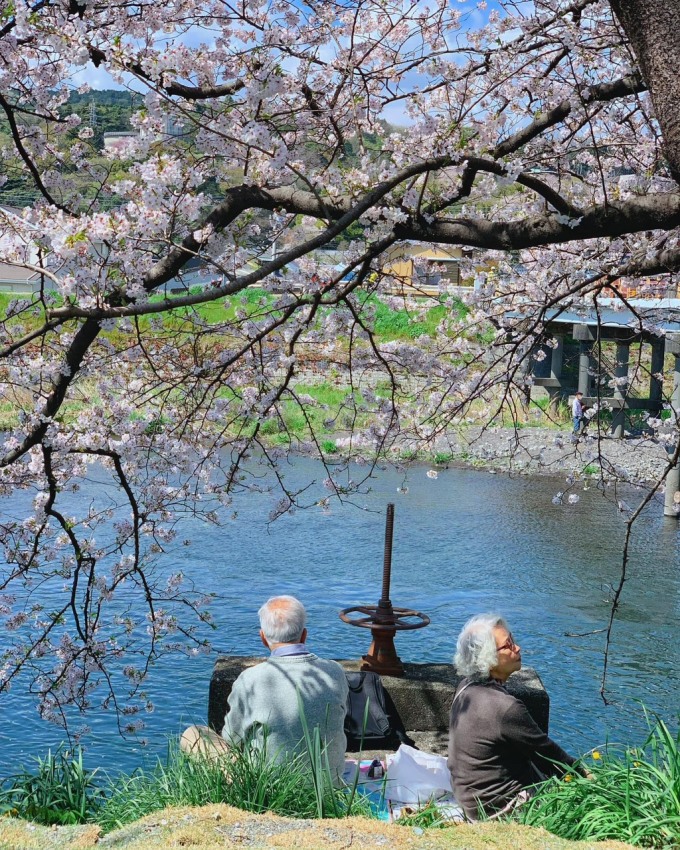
[496,750]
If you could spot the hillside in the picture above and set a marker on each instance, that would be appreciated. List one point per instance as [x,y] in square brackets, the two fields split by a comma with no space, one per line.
[105,111]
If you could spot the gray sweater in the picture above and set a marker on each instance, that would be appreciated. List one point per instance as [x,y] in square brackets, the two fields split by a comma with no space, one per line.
[265,697]
[496,748]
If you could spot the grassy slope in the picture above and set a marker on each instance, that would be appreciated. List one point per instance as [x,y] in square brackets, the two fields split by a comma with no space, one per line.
[390,325]
[226,828]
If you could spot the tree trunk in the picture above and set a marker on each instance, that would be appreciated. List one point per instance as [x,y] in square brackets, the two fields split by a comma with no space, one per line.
[653,28]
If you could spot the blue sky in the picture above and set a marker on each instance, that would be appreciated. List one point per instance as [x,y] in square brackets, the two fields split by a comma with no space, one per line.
[99,78]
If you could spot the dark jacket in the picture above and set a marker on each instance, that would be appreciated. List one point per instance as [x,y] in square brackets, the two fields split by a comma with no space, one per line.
[495,747]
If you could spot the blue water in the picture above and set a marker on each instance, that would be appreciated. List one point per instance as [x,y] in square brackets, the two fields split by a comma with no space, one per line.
[464,543]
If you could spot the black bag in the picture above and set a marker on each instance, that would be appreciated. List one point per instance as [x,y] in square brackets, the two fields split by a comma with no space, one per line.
[372,717]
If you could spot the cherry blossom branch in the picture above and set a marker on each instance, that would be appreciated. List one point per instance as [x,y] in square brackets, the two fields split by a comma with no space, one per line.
[602,92]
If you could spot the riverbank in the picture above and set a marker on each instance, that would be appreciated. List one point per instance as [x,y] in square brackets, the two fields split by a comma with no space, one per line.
[638,460]
[228,828]
[540,451]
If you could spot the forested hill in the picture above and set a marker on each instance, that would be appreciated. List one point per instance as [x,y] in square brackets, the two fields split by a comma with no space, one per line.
[105,111]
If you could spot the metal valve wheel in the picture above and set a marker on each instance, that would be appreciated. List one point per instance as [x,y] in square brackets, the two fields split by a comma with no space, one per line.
[395,620]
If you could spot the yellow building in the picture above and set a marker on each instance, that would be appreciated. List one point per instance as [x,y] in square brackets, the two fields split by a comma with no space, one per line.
[421,269]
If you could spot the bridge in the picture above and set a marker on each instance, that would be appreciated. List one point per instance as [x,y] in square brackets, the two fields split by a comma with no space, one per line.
[651,322]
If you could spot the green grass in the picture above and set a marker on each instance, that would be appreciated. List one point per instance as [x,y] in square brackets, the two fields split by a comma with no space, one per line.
[389,323]
[545,412]
[429,816]
[335,409]
[58,791]
[61,791]
[244,779]
[442,458]
[401,324]
[329,395]
[633,796]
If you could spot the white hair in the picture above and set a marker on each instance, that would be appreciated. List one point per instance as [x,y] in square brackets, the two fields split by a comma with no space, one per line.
[282,619]
[476,651]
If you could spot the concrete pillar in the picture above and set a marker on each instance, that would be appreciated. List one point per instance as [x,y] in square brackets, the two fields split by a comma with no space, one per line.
[586,336]
[656,384]
[621,390]
[556,361]
[673,477]
[556,357]
[585,362]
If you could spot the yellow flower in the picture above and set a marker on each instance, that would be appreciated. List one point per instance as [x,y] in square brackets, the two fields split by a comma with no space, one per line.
[568,777]
[636,764]
[596,755]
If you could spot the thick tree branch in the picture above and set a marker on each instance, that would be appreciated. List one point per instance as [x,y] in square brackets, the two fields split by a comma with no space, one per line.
[656,212]
[74,357]
[654,32]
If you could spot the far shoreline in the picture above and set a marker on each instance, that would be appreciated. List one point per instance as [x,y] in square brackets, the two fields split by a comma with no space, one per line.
[638,460]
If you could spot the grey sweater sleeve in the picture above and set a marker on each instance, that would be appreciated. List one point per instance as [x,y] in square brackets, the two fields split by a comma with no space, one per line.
[520,729]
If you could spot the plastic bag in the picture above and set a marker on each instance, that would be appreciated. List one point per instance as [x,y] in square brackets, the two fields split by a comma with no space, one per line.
[416,777]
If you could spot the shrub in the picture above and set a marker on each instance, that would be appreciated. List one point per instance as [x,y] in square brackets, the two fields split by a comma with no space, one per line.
[633,796]
[156,426]
[60,791]
[271,426]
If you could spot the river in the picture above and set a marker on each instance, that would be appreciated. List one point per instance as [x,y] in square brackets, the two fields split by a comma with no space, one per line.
[465,542]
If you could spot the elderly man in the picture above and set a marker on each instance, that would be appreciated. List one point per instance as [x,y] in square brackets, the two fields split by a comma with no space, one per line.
[266,700]
[497,752]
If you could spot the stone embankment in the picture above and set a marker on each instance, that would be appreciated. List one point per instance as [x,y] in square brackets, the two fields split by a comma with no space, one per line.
[536,451]
[219,827]
[640,460]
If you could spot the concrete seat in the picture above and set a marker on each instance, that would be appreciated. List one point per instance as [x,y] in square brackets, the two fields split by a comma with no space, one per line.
[422,697]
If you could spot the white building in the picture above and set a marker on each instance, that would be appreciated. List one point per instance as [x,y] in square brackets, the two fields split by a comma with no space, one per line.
[17,279]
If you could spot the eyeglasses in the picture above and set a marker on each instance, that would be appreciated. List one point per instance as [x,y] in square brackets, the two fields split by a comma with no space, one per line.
[509,644]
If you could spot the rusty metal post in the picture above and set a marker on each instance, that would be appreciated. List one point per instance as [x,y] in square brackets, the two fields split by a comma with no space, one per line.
[382,656]
[387,560]
[383,619]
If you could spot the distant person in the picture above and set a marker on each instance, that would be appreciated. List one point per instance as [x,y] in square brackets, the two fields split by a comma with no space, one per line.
[577,411]
[265,700]
[497,752]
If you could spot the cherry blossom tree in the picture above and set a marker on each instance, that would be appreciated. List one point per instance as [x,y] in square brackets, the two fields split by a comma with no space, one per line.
[545,143]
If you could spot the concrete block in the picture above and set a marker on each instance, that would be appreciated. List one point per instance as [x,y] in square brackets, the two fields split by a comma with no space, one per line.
[585,333]
[550,383]
[422,697]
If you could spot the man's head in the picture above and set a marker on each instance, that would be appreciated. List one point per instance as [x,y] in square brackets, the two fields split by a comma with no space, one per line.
[282,620]
[579,394]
